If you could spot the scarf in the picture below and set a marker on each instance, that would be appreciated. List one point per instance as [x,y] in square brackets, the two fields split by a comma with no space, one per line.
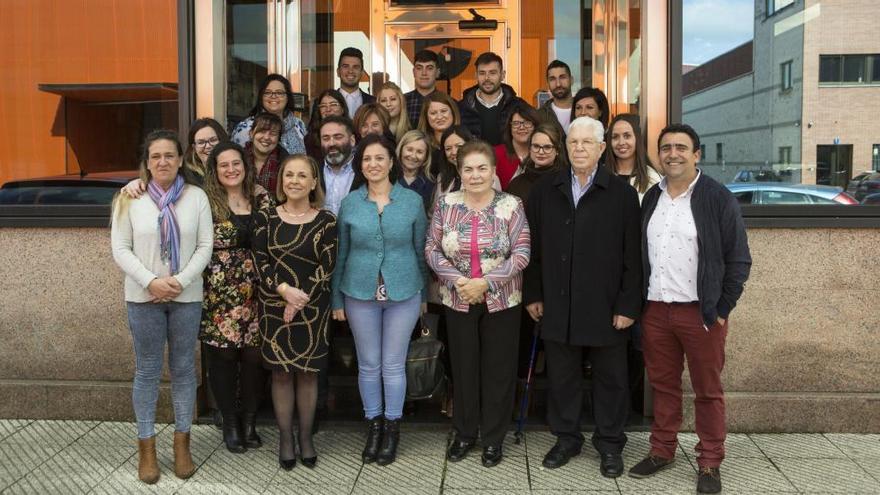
[169,240]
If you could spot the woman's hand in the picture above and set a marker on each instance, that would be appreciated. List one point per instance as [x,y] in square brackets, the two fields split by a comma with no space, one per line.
[164,289]
[293,296]
[621,322]
[134,189]
[472,290]
[338,314]
[289,312]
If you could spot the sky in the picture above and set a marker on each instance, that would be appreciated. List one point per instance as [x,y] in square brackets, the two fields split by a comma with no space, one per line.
[712,27]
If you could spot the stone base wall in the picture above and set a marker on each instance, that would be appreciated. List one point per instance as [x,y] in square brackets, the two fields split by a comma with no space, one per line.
[802,349]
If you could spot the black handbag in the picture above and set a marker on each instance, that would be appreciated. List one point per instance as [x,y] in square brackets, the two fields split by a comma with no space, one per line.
[425,373]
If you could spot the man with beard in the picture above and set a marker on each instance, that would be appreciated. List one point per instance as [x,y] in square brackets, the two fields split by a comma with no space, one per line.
[557,110]
[486,107]
[426,69]
[350,69]
[584,284]
[337,143]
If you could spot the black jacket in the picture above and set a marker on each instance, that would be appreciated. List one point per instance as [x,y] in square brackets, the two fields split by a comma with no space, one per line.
[585,264]
[724,261]
[468,103]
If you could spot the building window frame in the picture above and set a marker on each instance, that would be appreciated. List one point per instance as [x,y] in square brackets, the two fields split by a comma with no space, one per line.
[719,153]
[833,69]
[785,155]
[875,157]
[773,7]
[785,79]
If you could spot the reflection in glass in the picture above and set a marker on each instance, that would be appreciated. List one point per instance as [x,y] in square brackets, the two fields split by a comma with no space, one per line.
[246,56]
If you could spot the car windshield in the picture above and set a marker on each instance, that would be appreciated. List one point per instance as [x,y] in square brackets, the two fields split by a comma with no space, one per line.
[60,195]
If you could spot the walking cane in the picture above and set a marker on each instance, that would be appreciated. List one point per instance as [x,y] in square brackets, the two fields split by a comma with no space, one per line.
[522,407]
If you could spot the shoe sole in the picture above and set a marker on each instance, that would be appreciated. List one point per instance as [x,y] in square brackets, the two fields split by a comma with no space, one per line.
[643,476]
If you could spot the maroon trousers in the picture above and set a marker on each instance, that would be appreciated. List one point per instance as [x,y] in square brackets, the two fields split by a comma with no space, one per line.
[672,333]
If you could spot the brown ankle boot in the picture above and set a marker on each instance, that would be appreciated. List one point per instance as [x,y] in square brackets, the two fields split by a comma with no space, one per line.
[183,463]
[148,466]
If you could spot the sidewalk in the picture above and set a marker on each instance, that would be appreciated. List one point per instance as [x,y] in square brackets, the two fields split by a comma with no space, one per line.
[71,457]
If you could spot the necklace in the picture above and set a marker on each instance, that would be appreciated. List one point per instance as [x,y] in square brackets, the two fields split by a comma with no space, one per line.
[295,215]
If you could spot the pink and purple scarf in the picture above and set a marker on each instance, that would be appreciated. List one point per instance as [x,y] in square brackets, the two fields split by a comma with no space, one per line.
[169,241]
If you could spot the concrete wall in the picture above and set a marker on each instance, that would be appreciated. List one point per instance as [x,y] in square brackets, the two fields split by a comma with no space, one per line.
[801,352]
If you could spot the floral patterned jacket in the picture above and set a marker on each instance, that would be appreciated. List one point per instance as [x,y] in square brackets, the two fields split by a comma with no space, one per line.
[503,241]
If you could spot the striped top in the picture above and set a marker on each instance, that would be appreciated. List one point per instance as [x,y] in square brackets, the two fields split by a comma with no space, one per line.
[503,243]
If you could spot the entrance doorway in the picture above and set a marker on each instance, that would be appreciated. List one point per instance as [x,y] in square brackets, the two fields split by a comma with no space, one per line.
[834,164]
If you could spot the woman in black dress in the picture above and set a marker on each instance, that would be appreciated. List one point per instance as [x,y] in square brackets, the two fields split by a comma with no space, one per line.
[295,249]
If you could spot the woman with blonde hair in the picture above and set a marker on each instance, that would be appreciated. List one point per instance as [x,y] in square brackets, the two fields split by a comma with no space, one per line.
[392,99]
[414,154]
[295,249]
[162,241]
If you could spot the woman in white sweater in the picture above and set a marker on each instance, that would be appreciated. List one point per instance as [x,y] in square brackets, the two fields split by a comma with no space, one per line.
[163,241]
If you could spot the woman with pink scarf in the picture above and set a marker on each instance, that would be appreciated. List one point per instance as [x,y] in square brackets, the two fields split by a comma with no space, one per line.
[162,241]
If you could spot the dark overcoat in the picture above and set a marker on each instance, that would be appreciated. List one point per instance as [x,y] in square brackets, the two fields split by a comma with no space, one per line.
[586,263]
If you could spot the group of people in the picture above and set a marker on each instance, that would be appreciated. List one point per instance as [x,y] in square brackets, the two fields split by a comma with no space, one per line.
[260,242]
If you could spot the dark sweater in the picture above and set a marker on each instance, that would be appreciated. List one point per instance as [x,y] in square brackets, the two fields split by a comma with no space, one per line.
[724,261]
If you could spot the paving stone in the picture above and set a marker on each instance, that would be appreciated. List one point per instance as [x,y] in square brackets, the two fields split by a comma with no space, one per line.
[573,492]
[10,426]
[471,491]
[855,445]
[125,481]
[871,464]
[113,433]
[797,445]
[219,488]
[431,443]
[469,473]
[364,489]
[581,473]
[415,471]
[736,445]
[252,469]
[331,470]
[748,475]
[339,442]
[827,476]
[17,460]
[51,433]
[73,470]
[327,489]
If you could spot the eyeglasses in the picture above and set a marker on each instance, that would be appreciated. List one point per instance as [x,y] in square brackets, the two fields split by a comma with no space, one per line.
[543,149]
[328,106]
[521,124]
[274,94]
[203,143]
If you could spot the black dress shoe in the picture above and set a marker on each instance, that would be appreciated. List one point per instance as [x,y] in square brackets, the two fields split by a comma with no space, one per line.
[559,456]
[650,466]
[491,456]
[286,464]
[233,435]
[709,480]
[390,440]
[458,450]
[309,462]
[374,440]
[611,465]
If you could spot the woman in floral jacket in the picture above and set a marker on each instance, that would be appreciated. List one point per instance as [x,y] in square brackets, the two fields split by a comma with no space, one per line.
[478,246]
[230,325]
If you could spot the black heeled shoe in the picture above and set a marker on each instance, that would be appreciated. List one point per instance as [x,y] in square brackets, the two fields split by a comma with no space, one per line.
[232,434]
[287,464]
[309,462]
[374,440]
[252,440]
[390,441]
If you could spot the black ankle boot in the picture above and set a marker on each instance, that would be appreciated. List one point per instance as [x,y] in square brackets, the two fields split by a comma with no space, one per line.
[251,439]
[390,439]
[374,439]
[232,434]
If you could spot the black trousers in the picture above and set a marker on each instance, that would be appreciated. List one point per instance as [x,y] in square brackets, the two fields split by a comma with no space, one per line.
[235,374]
[483,352]
[610,394]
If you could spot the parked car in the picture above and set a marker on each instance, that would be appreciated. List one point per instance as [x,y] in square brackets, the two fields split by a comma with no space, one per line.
[757,176]
[853,183]
[867,185]
[755,193]
[89,189]
[871,199]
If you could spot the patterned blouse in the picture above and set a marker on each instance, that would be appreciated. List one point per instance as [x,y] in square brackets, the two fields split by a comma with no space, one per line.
[292,137]
[504,246]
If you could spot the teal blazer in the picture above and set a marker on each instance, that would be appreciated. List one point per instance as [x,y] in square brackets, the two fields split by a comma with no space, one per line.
[393,246]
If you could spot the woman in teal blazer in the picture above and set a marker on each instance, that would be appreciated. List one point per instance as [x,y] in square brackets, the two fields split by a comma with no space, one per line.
[379,286]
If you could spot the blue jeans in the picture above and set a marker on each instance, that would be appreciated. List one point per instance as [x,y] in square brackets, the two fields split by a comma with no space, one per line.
[382,330]
[152,324]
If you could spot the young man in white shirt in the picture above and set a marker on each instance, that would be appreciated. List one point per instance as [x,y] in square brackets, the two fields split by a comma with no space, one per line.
[557,110]
[350,69]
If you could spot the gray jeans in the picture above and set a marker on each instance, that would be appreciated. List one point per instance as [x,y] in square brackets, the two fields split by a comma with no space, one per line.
[151,326]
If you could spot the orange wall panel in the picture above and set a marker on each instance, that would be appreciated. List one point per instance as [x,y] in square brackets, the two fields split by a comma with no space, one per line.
[72,41]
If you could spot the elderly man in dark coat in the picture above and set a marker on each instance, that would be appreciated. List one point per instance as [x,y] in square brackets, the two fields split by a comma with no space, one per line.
[584,283]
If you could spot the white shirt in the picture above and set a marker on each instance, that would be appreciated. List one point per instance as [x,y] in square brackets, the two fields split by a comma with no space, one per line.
[490,104]
[134,238]
[673,251]
[563,115]
[352,100]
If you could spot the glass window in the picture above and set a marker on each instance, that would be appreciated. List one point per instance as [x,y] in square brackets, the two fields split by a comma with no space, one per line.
[875,157]
[854,68]
[830,68]
[774,98]
[783,198]
[247,56]
[785,76]
[875,68]
[744,197]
